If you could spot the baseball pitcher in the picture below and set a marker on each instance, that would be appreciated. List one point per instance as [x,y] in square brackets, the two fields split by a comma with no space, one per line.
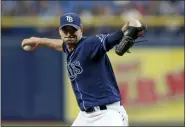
[89,68]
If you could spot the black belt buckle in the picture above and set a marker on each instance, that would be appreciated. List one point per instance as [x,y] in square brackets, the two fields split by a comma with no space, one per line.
[91,110]
[103,107]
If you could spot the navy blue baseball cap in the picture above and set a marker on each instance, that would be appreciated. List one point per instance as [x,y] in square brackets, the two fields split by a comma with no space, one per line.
[70,19]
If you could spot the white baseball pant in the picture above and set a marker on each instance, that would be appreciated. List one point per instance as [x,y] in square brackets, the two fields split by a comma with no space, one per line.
[114,115]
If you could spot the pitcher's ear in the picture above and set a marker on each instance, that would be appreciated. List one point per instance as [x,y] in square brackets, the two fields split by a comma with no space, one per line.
[82,30]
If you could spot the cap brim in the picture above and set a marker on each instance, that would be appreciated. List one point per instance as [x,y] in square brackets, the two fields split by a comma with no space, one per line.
[75,26]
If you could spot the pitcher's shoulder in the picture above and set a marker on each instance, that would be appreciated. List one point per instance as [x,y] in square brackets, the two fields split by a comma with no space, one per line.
[95,38]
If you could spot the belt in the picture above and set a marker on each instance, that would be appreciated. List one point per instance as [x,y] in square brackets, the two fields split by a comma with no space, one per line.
[93,109]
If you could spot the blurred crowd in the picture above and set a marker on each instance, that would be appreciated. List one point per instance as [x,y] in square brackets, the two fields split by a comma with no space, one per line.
[170,8]
[39,8]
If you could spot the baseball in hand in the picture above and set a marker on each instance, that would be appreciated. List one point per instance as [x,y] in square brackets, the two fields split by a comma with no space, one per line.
[27,47]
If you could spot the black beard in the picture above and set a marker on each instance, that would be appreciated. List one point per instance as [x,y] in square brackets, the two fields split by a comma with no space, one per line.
[71,45]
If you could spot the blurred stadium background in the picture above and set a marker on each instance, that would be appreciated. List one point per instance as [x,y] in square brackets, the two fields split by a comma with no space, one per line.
[35,87]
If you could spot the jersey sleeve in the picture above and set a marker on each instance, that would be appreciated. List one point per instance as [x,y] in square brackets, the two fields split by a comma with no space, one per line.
[102,43]
[96,45]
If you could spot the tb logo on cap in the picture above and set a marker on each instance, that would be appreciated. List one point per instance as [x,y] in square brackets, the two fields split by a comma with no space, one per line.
[69,18]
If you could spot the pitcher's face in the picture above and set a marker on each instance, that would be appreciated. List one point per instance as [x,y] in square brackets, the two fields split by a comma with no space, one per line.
[70,35]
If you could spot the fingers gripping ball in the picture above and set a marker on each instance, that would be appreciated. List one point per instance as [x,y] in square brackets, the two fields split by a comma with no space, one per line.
[27,47]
